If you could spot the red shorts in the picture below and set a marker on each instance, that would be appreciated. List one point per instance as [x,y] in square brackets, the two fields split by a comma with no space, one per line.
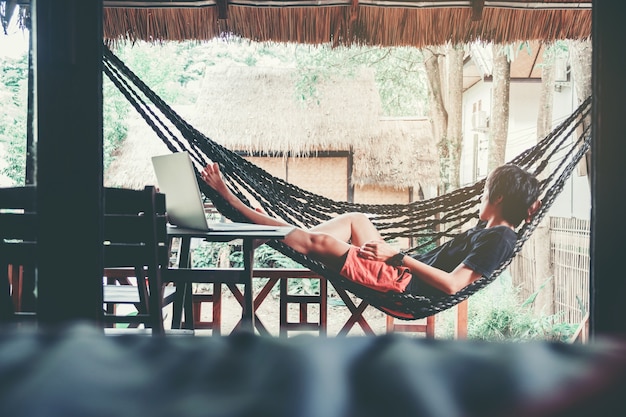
[374,274]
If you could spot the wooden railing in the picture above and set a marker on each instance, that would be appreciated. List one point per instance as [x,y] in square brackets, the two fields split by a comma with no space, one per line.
[304,321]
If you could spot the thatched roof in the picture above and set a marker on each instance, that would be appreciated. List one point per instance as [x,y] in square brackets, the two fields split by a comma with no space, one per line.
[132,164]
[378,22]
[260,109]
[403,154]
[256,110]
[373,22]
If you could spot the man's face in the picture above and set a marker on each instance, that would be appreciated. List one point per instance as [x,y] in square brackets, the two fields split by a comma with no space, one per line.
[484,205]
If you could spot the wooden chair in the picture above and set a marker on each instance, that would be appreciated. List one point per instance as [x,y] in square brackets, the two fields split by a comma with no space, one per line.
[135,238]
[18,253]
[302,303]
[427,325]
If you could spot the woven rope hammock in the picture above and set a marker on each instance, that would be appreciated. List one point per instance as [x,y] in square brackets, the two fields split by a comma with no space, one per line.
[425,223]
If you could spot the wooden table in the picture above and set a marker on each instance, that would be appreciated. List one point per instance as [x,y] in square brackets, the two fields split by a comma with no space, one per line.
[185,275]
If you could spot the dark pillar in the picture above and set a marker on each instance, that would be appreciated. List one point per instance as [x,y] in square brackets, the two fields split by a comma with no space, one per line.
[30,116]
[29,300]
[608,188]
[68,135]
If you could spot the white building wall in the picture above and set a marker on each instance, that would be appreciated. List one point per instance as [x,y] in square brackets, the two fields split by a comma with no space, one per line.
[481,92]
[523,110]
[575,200]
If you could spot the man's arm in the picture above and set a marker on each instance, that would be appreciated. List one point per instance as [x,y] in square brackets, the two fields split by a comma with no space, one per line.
[448,282]
[213,177]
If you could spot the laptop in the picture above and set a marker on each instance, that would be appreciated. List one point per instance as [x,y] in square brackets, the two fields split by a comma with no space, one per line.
[176,178]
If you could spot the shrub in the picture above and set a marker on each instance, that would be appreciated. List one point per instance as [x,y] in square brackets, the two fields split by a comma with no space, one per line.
[496,314]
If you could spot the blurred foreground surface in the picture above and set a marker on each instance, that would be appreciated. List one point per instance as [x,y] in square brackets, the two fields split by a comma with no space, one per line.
[78,371]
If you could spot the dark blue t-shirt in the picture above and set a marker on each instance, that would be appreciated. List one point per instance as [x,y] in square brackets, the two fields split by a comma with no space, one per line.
[480,249]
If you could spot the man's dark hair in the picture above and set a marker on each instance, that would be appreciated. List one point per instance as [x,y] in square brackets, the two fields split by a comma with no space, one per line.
[518,188]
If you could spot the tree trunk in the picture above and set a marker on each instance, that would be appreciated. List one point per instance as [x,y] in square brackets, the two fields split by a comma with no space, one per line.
[499,124]
[439,115]
[580,62]
[544,302]
[546,97]
[454,58]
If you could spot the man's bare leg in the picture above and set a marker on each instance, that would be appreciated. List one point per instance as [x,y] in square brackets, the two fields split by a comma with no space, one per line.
[323,246]
[355,228]
[258,242]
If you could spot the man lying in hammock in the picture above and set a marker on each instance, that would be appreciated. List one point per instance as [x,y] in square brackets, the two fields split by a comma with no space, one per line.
[351,244]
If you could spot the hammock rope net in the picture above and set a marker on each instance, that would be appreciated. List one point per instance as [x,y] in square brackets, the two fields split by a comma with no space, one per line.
[424,223]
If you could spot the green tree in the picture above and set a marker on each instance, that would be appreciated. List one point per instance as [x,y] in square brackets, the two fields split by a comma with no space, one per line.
[13,96]
[14,106]
[114,128]
[175,69]
[171,68]
[399,73]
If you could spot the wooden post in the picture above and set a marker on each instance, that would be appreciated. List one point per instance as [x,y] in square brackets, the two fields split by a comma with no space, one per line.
[543,282]
[460,328]
[608,190]
[68,136]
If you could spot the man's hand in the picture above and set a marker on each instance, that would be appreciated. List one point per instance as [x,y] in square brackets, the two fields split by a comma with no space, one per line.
[213,177]
[377,250]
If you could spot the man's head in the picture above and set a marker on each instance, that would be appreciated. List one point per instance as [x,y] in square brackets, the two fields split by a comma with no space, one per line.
[517,191]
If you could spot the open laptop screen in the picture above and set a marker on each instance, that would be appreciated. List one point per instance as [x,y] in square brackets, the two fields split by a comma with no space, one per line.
[176,177]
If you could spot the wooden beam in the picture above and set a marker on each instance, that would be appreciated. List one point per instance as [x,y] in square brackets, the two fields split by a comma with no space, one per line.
[477,9]
[222,9]
[501,4]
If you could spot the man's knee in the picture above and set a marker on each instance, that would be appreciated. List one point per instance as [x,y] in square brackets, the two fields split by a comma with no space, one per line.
[355,217]
[359,219]
[319,242]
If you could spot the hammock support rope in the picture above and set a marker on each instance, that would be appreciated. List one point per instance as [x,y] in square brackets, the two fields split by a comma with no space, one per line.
[425,223]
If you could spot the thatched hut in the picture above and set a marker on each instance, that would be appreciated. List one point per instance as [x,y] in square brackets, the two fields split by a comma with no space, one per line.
[403,156]
[332,142]
[261,109]
[385,23]
[132,166]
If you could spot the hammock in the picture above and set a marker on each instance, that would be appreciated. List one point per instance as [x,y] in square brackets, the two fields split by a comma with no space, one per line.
[425,223]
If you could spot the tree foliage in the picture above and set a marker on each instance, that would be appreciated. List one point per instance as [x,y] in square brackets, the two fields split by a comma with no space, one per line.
[13,117]
[13,98]
[176,69]
[399,74]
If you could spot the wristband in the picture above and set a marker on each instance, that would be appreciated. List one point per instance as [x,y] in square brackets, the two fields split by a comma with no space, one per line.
[397,259]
